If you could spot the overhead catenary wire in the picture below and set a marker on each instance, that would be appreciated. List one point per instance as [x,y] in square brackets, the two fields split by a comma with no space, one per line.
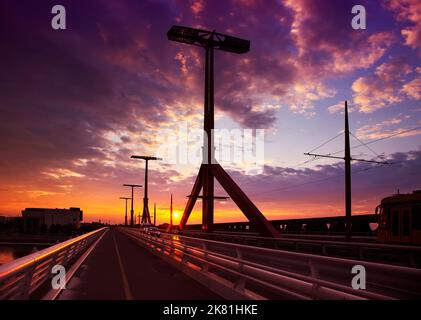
[380,139]
[316,181]
[326,142]
[334,153]
[301,163]
[364,144]
[331,156]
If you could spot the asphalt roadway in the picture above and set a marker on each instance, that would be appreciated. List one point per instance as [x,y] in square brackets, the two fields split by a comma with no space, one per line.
[119,269]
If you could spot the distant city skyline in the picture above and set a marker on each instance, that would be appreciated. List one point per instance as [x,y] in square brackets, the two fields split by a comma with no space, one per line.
[77,103]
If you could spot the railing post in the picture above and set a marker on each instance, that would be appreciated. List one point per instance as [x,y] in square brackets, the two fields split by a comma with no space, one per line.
[240,284]
[412,259]
[171,246]
[314,274]
[52,264]
[162,244]
[360,253]
[22,279]
[205,267]
[184,257]
[324,250]
[26,287]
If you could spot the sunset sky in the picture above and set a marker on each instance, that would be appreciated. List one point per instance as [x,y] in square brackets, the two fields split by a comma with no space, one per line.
[75,104]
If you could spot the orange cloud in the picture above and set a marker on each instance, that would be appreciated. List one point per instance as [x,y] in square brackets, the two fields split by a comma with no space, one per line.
[385,129]
[386,86]
[413,89]
[408,11]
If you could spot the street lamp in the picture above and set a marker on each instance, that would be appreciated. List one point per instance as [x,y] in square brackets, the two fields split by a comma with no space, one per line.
[131,208]
[209,40]
[146,218]
[125,217]
[210,169]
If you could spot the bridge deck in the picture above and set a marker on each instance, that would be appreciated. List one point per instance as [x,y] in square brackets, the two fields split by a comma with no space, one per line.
[119,269]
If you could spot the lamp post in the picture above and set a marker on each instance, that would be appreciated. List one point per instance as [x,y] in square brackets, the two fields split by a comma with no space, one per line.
[209,40]
[210,169]
[146,218]
[132,207]
[125,216]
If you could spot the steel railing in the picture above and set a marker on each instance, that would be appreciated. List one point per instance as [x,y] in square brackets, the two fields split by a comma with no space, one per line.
[22,277]
[407,255]
[263,273]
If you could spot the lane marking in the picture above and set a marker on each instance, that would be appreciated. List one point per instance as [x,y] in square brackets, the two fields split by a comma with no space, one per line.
[55,294]
[127,291]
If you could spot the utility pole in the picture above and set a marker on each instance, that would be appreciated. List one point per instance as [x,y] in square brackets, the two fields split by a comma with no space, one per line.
[125,217]
[347,158]
[132,186]
[146,218]
[154,214]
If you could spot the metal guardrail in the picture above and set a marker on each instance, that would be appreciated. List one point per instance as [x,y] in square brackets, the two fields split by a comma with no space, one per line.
[23,276]
[367,251]
[285,235]
[262,273]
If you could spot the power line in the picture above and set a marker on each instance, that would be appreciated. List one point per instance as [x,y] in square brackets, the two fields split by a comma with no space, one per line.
[362,143]
[380,139]
[334,153]
[301,163]
[292,167]
[316,181]
[341,175]
[325,143]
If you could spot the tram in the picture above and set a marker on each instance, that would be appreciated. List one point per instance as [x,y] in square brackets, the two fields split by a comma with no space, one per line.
[400,219]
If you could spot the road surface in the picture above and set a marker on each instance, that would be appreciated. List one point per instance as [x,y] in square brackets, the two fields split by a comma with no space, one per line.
[119,269]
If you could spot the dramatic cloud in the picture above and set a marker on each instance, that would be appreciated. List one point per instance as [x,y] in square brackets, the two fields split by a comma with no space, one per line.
[413,88]
[386,128]
[408,12]
[386,86]
[326,41]
[76,104]
[298,192]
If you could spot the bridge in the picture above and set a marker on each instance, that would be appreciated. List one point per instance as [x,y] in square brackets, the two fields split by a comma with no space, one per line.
[323,225]
[123,263]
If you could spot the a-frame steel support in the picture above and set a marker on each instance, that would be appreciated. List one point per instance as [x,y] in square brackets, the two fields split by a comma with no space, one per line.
[210,169]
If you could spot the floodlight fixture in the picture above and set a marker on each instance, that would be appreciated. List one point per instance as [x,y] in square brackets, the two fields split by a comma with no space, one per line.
[210,169]
[204,38]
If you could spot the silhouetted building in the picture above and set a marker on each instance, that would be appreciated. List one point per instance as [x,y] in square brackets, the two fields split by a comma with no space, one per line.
[41,219]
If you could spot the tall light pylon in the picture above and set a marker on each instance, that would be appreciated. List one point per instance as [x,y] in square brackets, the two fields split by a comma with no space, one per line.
[125,216]
[146,218]
[210,168]
[132,186]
